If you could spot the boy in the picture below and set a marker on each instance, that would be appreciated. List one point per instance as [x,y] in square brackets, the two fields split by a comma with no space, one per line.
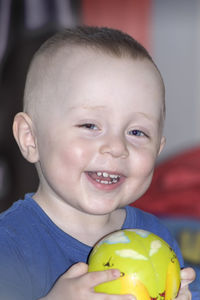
[92,124]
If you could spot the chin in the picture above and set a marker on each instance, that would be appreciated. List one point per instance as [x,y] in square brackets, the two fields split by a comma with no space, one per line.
[100,210]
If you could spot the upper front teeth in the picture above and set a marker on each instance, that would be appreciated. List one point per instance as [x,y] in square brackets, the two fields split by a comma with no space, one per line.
[105,174]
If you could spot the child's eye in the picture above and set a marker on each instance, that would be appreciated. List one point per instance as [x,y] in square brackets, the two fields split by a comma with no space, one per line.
[88,126]
[136,132]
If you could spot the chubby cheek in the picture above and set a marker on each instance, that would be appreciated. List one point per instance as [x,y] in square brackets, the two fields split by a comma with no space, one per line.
[142,167]
[71,160]
[145,162]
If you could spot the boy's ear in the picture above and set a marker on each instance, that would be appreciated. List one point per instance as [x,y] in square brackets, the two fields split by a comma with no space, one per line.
[162,144]
[25,137]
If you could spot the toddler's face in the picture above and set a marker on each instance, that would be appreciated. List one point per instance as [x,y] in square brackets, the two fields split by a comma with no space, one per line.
[98,144]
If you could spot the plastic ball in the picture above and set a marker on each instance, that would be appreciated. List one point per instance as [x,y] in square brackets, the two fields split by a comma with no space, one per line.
[149,267]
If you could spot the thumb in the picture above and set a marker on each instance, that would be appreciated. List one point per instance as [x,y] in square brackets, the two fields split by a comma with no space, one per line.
[76,270]
[187,276]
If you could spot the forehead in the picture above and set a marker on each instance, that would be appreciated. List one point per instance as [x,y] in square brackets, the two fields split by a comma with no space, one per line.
[94,72]
[82,58]
[81,77]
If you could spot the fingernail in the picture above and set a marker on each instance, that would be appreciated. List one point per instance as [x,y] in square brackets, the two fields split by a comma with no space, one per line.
[116,273]
[131,298]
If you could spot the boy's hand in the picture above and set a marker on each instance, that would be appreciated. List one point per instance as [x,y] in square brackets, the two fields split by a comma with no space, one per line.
[187,276]
[77,283]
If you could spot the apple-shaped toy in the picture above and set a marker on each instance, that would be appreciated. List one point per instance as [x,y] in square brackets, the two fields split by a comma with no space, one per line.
[149,267]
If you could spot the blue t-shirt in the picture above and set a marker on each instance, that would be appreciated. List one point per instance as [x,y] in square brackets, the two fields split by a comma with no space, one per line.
[34,252]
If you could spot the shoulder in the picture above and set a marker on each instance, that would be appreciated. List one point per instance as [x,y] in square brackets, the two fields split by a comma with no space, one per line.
[27,251]
[13,271]
[14,220]
[14,223]
[147,221]
[144,220]
[20,230]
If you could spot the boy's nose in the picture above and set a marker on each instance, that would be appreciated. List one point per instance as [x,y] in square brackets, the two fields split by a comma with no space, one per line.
[115,146]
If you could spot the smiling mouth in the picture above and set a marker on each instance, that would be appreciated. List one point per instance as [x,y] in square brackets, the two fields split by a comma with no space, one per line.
[104,177]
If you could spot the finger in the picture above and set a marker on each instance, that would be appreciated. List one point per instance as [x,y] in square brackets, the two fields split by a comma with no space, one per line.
[76,270]
[95,278]
[187,276]
[105,276]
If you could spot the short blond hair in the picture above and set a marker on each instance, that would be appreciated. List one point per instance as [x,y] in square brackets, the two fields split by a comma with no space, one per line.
[106,40]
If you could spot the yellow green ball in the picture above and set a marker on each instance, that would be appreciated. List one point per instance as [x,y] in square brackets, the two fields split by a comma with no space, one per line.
[149,267]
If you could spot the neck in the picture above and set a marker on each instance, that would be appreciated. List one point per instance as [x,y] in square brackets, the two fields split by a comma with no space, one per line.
[86,228]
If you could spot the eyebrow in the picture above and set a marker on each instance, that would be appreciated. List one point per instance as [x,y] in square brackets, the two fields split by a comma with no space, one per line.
[146,116]
[102,107]
[87,107]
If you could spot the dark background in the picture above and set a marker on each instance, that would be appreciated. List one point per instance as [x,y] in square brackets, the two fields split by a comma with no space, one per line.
[16,175]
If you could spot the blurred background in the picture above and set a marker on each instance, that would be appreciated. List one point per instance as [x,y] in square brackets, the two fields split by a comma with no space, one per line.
[170,30]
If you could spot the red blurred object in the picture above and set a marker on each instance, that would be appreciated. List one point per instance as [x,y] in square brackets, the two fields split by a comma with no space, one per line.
[131,16]
[175,189]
